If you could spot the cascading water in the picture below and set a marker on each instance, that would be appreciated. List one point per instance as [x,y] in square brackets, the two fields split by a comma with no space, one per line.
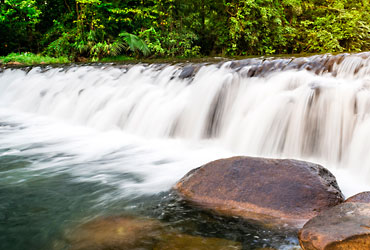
[136,129]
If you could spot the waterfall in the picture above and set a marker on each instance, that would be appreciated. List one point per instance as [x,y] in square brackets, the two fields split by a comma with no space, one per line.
[315,108]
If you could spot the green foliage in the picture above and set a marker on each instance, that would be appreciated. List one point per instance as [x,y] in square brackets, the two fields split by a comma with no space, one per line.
[116,58]
[256,26]
[171,43]
[30,58]
[153,40]
[61,46]
[95,29]
[334,26]
[18,19]
[135,43]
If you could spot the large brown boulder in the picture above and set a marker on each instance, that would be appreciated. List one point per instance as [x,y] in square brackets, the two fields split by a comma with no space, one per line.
[343,227]
[268,191]
[363,197]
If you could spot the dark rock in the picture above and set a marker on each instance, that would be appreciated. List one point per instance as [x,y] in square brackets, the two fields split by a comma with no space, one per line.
[187,72]
[297,63]
[268,66]
[252,71]
[363,197]
[271,192]
[245,62]
[330,62]
[343,227]
[341,57]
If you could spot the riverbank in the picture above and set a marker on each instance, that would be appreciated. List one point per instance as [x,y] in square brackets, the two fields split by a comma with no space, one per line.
[30,59]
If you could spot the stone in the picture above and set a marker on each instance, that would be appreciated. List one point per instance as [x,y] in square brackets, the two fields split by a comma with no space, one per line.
[343,227]
[187,72]
[119,233]
[363,197]
[14,63]
[132,233]
[175,241]
[272,192]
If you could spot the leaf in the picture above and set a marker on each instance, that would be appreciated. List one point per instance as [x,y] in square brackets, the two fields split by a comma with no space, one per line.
[135,43]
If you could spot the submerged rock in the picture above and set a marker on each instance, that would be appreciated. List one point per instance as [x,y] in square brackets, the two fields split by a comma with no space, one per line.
[175,241]
[363,197]
[271,192]
[130,233]
[343,227]
[119,233]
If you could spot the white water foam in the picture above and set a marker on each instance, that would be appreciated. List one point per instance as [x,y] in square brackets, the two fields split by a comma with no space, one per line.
[132,165]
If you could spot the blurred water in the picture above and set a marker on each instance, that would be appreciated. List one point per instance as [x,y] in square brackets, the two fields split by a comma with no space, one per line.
[53,175]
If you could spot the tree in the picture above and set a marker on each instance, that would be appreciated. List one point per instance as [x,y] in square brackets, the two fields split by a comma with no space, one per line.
[18,19]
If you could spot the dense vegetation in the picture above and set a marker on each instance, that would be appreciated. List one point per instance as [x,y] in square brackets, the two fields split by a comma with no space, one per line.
[77,29]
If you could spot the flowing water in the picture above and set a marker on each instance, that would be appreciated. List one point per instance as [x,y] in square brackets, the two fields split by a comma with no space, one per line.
[79,142]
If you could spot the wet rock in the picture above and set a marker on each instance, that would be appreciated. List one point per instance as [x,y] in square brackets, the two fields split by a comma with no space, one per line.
[245,62]
[330,63]
[267,67]
[363,197]
[119,233]
[187,72]
[187,242]
[364,55]
[297,63]
[253,71]
[266,248]
[130,233]
[270,192]
[343,227]
[317,64]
